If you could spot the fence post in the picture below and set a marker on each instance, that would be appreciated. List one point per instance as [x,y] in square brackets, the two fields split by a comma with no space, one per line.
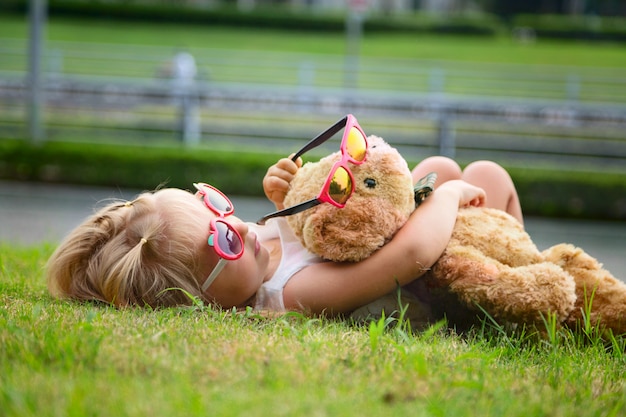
[306,81]
[184,74]
[437,81]
[445,134]
[573,87]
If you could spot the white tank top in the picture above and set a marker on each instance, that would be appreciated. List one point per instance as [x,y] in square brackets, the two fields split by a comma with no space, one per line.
[294,258]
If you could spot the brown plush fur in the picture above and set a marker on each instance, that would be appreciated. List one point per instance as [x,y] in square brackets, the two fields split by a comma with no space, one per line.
[598,293]
[526,285]
[489,262]
[382,200]
[492,262]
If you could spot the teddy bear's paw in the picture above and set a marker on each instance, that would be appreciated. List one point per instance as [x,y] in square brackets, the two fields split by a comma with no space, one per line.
[604,318]
[568,256]
[600,297]
[601,300]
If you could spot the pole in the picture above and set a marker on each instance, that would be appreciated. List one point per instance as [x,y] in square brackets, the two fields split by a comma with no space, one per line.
[37,18]
[354,33]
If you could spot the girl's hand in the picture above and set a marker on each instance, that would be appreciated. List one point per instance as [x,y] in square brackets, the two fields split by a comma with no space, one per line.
[277,179]
[469,195]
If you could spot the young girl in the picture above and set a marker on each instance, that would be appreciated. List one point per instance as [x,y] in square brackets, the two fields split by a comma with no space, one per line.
[164,246]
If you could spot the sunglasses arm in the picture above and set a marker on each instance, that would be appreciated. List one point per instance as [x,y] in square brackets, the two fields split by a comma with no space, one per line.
[290,210]
[322,137]
[216,271]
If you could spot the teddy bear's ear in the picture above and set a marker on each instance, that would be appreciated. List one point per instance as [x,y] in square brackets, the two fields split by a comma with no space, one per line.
[386,176]
[384,159]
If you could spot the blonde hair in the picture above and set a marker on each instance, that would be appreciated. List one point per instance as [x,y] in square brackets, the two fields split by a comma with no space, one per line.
[134,253]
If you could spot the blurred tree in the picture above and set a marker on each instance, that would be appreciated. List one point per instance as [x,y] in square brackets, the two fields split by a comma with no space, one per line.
[509,8]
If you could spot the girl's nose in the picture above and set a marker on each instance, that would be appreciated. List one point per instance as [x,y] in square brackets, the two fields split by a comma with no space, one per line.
[239,225]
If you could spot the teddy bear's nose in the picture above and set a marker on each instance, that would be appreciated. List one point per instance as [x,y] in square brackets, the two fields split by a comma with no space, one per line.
[370,182]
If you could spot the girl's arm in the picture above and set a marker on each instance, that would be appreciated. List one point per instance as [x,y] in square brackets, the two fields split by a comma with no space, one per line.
[341,287]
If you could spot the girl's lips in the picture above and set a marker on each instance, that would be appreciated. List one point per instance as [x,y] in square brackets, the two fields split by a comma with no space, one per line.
[257,245]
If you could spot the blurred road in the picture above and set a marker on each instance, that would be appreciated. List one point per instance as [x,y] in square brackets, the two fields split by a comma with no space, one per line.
[32,213]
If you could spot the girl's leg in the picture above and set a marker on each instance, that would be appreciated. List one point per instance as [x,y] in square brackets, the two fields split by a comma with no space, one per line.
[446,169]
[498,186]
[488,175]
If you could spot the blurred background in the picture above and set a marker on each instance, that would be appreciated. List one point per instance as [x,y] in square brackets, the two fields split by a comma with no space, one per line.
[540,83]
[130,94]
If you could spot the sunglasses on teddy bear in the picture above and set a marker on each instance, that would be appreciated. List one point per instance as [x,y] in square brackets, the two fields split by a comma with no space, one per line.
[339,185]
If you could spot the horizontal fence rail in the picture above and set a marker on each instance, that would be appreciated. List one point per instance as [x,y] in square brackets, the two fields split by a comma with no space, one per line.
[584,84]
[517,115]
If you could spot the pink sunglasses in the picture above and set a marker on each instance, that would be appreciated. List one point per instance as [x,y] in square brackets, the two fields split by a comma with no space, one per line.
[224,238]
[339,185]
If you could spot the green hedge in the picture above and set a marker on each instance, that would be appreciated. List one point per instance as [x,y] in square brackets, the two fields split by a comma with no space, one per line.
[574,27]
[277,17]
[139,167]
[543,193]
[571,194]
[274,17]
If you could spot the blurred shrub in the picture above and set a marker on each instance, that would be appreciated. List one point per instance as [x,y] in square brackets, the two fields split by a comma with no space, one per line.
[571,194]
[267,17]
[574,27]
[140,167]
[284,17]
[542,192]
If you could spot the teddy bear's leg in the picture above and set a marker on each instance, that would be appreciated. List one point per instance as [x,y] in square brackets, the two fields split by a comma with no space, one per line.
[600,296]
[524,294]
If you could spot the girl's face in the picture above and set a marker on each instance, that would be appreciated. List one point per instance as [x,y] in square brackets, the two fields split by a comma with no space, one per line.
[241,278]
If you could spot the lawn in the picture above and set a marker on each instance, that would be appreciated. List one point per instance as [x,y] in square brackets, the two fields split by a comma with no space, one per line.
[63,358]
[428,47]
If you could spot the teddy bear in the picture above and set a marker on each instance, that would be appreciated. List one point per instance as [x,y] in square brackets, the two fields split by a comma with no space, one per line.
[490,264]
[338,234]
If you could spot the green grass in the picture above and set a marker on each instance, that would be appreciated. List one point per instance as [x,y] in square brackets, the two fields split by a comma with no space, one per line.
[498,49]
[63,358]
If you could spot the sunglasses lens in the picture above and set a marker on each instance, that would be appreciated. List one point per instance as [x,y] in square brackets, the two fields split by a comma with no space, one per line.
[228,240]
[218,201]
[356,144]
[340,187]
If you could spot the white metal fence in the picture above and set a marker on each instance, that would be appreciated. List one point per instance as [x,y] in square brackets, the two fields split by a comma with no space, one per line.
[542,115]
